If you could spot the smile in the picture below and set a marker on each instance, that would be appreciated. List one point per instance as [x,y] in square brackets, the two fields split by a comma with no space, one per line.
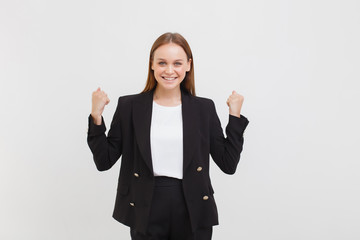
[169,78]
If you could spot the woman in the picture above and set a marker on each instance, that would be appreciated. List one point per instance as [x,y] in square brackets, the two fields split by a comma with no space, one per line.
[165,135]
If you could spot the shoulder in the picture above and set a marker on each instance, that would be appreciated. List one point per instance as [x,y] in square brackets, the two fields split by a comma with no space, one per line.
[129,98]
[204,101]
[125,102]
[204,105]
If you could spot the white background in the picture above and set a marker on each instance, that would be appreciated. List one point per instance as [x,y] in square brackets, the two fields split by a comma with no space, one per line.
[295,62]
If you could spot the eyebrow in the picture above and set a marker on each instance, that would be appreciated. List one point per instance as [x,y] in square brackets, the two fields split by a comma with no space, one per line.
[165,59]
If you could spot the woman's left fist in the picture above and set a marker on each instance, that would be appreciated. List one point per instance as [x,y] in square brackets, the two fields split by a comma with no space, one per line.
[235,102]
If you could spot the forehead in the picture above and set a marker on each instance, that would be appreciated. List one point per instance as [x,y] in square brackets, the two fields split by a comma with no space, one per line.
[170,51]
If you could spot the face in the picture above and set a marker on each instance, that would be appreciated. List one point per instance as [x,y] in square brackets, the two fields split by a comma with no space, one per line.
[170,65]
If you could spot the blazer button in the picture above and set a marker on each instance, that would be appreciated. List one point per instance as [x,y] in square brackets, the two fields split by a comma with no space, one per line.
[132,204]
[205,197]
[199,169]
[136,175]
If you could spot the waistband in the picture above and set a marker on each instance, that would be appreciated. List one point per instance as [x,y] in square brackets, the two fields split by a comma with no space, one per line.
[164,181]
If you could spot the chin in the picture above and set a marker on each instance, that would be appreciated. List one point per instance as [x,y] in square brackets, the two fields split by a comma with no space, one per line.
[169,87]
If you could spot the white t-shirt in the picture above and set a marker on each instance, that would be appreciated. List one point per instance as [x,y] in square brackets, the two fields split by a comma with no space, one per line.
[166,141]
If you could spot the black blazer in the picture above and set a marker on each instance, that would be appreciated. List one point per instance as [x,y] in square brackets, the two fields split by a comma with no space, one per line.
[129,137]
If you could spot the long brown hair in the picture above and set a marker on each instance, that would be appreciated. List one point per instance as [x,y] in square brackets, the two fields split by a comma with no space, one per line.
[188,83]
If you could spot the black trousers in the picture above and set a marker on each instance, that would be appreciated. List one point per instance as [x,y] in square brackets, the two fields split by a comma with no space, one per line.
[169,217]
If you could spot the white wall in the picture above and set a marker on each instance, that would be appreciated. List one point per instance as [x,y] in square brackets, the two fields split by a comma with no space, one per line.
[295,62]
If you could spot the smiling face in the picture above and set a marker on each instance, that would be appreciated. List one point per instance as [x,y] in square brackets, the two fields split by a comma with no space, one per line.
[170,65]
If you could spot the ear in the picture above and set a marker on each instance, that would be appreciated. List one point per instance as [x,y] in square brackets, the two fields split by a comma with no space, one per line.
[188,65]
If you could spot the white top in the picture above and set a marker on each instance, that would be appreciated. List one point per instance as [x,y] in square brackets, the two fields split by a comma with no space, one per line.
[166,141]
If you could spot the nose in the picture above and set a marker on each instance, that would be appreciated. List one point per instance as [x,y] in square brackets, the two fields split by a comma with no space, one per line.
[169,69]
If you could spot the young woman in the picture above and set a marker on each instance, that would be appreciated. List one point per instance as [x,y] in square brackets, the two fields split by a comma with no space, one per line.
[165,135]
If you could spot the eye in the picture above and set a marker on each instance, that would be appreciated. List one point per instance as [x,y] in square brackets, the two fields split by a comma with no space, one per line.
[178,63]
[161,63]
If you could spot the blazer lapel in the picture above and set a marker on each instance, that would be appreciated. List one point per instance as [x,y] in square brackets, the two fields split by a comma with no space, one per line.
[142,113]
[189,127]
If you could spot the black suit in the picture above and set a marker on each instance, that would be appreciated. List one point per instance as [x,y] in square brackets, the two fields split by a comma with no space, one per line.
[129,137]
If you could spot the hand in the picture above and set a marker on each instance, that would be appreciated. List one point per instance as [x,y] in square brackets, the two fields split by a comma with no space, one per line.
[235,102]
[99,100]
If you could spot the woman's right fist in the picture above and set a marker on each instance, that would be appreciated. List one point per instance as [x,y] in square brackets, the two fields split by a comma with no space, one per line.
[99,100]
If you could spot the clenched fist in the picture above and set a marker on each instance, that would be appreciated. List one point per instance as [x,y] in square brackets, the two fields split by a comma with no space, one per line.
[99,100]
[235,102]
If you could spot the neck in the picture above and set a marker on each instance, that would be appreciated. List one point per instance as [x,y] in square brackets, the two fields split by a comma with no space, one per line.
[168,97]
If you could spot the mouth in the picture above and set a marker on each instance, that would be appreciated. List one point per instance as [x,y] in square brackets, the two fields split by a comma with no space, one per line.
[169,78]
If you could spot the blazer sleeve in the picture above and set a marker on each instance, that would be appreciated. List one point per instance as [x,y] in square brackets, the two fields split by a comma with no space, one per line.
[106,150]
[226,151]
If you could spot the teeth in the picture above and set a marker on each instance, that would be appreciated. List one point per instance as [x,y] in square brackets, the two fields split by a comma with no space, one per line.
[173,78]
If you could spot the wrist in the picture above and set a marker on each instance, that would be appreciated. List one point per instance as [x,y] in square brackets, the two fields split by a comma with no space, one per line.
[235,114]
[96,118]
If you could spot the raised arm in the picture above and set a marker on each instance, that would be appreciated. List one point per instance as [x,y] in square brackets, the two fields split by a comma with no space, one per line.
[226,151]
[106,150]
